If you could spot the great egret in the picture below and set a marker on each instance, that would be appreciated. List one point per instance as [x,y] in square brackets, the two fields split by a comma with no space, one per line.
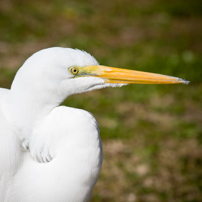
[48,152]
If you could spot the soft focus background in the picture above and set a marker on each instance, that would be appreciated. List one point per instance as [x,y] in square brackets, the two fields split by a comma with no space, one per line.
[152,134]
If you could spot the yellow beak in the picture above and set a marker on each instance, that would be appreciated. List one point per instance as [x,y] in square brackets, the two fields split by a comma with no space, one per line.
[125,76]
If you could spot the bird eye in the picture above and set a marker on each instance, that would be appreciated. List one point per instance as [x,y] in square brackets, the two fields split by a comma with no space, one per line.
[74,70]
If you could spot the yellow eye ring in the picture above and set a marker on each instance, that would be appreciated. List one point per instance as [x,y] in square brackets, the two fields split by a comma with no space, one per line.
[74,70]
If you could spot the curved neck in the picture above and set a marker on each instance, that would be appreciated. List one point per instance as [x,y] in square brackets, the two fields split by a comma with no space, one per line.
[27,107]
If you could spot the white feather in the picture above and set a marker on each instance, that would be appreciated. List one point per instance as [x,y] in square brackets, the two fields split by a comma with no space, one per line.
[48,153]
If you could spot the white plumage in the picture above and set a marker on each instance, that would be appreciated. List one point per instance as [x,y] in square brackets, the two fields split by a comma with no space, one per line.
[52,153]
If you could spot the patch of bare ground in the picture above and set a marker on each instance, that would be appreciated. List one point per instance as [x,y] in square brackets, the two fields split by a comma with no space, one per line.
[170,175]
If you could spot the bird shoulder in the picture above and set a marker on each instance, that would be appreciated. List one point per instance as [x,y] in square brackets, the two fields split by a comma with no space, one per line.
[63,123]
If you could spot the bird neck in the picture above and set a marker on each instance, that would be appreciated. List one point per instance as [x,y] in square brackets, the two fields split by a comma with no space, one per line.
[26,108]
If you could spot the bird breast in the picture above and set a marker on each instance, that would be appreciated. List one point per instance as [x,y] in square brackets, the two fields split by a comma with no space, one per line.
[72,138]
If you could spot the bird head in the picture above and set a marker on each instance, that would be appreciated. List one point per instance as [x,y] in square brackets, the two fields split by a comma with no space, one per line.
[66,71]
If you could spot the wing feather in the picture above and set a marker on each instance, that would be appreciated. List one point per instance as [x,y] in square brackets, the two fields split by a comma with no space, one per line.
[10,152]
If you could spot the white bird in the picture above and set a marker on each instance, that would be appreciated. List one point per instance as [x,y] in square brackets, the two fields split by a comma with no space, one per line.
[48,152]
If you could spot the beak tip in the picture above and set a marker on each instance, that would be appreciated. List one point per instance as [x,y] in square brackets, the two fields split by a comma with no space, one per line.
[184,81]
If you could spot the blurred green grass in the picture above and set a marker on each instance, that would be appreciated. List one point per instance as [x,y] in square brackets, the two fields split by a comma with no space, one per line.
[152,135]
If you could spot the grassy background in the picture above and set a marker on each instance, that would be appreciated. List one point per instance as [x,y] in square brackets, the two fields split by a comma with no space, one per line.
[152,135]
